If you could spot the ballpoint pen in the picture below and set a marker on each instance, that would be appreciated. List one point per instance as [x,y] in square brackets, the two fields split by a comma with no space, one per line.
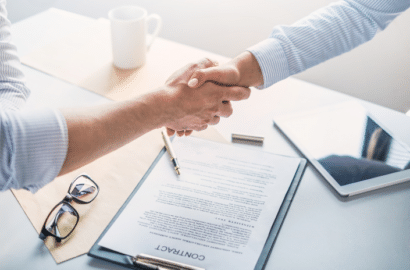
[171,152]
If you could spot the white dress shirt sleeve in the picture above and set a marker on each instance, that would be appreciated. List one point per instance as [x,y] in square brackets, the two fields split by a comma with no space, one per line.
[324,34]
[33,143]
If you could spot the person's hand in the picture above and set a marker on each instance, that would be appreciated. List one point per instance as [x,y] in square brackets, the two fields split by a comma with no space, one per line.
[243,71]
[195,109]
[183,75]
[224,75]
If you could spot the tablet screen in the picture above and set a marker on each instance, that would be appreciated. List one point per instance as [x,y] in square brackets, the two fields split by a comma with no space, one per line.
[348,143]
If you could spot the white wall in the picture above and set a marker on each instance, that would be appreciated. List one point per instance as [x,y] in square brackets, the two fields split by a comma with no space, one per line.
[378,71]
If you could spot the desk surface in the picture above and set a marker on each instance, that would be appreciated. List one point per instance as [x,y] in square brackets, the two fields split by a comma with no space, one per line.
[321,230]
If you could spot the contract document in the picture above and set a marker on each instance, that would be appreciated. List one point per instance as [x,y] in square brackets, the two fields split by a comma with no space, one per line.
[216,215]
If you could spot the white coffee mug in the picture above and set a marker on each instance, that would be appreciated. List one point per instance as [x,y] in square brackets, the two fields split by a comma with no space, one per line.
[129,35]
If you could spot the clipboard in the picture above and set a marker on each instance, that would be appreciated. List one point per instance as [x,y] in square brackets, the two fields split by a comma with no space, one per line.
[142,261]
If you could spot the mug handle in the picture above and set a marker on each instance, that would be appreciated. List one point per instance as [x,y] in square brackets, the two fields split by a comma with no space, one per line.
[157,29]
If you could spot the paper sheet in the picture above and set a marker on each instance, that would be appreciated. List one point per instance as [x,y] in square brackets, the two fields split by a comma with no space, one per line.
[222,206]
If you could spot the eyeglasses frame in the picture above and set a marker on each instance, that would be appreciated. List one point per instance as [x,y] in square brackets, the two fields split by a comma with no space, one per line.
[67,199]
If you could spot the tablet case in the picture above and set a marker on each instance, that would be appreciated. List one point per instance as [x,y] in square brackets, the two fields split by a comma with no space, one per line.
[126,261]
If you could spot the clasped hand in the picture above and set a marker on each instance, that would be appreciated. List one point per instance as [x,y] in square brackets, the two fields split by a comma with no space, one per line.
[202,104]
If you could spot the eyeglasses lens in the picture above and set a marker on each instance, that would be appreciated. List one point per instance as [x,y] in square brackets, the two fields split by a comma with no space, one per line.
[84,189]
[62,220]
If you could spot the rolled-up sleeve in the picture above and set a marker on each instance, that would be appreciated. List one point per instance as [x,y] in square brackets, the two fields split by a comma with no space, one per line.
[324,34]
[33,148]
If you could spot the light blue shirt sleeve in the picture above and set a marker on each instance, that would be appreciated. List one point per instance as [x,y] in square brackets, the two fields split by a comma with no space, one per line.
[33,143]
[326,33]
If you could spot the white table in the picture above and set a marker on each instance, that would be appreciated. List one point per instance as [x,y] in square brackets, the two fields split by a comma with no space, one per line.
[321,230]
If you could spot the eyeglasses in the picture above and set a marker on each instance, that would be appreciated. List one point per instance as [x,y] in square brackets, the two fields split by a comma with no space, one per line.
[63,218]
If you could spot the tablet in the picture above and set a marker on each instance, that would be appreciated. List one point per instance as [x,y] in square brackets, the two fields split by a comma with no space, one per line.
[352,151]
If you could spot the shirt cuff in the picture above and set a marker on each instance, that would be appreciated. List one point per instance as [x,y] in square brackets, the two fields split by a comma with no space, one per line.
[40,142]
[272,61]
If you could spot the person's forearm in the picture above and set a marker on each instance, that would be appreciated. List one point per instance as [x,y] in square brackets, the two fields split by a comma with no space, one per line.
[94,132]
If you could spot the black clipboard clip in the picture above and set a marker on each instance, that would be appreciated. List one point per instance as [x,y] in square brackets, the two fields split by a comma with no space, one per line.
[148,262]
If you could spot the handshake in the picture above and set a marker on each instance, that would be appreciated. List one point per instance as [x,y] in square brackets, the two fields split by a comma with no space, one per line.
[200,94]
[194,97]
